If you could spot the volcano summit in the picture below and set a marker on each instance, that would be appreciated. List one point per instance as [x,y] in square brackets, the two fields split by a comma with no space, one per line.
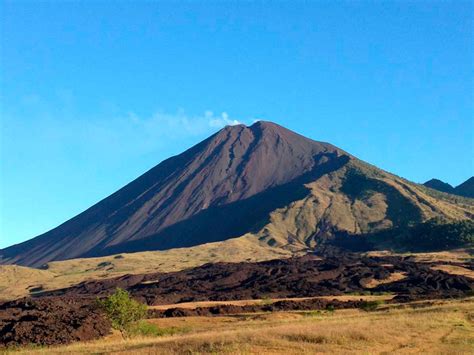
[263,182]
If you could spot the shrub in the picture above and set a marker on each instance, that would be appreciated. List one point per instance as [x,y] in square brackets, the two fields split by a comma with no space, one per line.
[370,306]
[123,311]
[330,308]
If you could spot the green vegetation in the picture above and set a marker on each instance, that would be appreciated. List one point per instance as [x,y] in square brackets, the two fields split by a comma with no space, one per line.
[144,328]
[123,312]
[104,264]
[436,234]
[433,235]
[330,308]
[370,306]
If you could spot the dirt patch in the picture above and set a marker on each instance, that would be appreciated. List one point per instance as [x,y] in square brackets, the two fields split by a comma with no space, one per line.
[372,283]
[48,321]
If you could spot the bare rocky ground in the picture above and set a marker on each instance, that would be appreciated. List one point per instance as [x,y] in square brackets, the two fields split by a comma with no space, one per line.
[49,321]
[68,315]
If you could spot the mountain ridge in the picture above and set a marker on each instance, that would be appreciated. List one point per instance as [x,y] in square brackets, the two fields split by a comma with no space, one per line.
[465,189]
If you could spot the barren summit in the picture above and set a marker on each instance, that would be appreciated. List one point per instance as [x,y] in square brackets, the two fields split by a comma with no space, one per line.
[265,182]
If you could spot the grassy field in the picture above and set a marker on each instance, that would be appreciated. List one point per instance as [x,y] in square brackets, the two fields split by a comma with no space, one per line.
[444,327]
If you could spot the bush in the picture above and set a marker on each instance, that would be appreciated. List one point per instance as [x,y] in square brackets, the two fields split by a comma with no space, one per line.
[370,306]
[123,311]
[330,308]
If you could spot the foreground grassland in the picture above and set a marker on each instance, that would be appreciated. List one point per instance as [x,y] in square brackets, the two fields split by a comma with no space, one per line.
[445,327]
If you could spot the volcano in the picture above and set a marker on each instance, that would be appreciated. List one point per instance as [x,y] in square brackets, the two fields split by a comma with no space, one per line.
[265,182]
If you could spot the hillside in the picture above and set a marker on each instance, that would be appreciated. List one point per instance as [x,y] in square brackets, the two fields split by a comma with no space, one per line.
[439,185]
[466,188]
[263,184]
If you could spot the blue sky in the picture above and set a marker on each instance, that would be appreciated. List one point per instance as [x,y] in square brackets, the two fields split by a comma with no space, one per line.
[93,94]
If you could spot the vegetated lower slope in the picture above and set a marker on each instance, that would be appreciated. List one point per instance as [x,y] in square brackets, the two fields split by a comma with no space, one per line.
[465,189]
[262,184]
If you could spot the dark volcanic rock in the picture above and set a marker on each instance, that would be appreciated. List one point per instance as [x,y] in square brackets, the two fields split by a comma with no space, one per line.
[279,306]
[50,320]
[296,277]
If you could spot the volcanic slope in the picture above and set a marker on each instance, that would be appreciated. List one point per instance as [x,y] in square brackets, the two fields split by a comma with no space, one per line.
[262,183]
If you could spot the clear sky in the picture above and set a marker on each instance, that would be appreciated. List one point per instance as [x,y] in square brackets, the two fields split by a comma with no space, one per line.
[93,94]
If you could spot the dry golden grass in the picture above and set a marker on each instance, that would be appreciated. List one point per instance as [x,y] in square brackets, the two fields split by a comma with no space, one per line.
[17,281]
[456,255]
[394,276]
[455,270]
[442,328]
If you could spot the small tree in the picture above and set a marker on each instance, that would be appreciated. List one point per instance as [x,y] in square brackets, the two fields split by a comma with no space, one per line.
[122,310]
